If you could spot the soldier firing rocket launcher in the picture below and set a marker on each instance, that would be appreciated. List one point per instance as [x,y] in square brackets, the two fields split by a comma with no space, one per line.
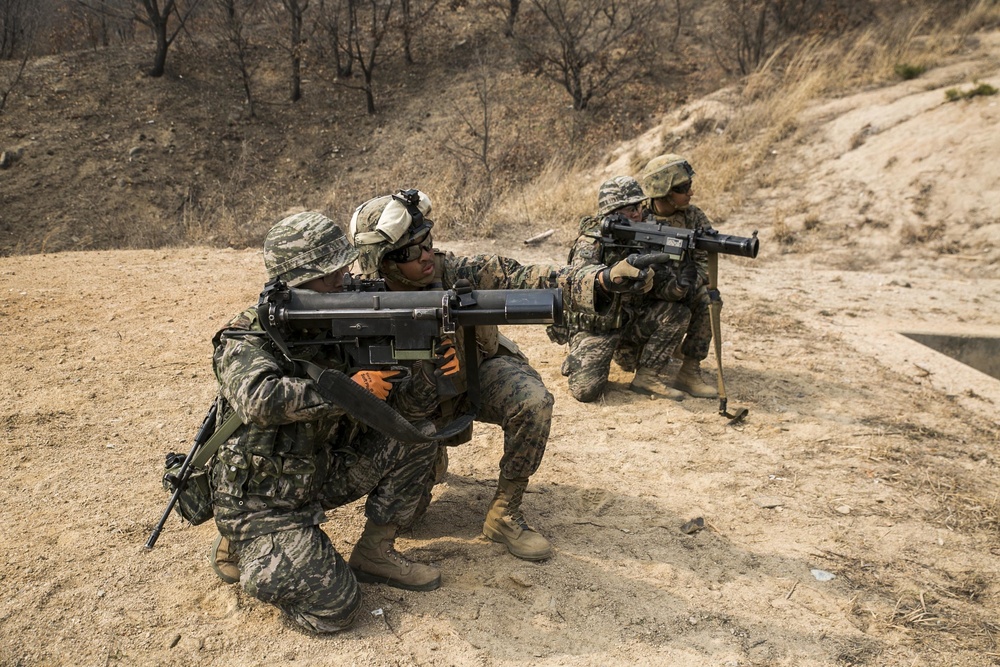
[646,237]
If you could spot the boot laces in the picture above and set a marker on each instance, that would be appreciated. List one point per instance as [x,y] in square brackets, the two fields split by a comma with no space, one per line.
[514,509]
[393,555]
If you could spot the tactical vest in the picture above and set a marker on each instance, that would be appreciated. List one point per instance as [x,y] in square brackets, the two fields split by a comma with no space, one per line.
[575,322]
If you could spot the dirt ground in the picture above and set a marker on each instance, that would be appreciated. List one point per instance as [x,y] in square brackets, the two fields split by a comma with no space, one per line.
[851,519]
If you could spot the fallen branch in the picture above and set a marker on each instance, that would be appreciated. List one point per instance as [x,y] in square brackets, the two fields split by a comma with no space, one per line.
[539,237]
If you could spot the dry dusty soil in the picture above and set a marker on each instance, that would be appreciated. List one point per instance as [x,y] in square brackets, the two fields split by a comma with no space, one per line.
[851,519]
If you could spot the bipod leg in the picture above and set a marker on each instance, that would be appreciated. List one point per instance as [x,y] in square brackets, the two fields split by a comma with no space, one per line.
[715,314]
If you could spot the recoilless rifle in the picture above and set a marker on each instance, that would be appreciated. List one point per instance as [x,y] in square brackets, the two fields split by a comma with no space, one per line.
[380,328]
[678,242]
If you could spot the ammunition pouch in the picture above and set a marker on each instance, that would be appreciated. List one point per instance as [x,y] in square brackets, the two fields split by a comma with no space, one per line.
[194,503]
[573,323]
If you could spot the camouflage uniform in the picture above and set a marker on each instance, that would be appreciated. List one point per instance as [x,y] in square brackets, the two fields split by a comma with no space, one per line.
[642,331]
[658,177]
[513,395]
[297,455]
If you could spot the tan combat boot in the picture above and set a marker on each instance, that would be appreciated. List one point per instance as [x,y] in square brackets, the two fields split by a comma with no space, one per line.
[376,561]
[505,522]
[647,381]
[689,380]
[223,562]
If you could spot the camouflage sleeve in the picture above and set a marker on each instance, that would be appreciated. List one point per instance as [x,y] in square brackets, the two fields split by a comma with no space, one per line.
[586,251]
[695,218]
[580,292]
[665,282]
[260,390]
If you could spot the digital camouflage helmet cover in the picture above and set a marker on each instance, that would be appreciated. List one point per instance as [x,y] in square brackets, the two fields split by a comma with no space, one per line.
[306,246]
[618,192]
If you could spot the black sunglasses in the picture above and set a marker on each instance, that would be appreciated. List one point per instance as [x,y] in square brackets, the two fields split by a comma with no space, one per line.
[682,189]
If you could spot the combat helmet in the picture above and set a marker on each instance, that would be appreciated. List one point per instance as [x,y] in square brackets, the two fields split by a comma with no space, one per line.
[617,193]
[305,246]
[663,173]
[387,223]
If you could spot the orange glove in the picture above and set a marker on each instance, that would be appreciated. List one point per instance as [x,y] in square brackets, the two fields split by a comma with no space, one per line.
[377,382]
[447,359]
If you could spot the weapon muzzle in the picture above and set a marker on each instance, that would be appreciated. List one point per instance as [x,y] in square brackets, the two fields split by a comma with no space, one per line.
[726,244]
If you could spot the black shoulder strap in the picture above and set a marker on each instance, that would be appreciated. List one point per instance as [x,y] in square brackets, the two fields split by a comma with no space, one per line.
[365,407]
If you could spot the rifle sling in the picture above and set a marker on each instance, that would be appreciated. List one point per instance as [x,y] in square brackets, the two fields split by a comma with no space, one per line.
[208,450]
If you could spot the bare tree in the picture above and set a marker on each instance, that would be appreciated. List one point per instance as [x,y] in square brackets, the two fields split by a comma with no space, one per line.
[102,26]
[507,9]
[744,34]
[586,46]
[296,9]
[475,145]
[335,19]
[8,87]
[372,21]
[232,21]
[17,23]
[157,18]
[155,15]
[414,14]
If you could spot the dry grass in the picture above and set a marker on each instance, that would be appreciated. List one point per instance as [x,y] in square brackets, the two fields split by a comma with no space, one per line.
[772,99]
[984,15]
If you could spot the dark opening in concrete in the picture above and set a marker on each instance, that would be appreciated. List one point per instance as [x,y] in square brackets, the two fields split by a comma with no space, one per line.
[979,352]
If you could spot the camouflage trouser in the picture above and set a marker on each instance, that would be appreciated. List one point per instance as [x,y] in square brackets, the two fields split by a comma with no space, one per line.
[698,336]
[647,340]
[514,397]
[290,562]
[300,572]
[588,363]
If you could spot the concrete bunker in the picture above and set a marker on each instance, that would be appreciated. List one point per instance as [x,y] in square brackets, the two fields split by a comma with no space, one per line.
[979,352]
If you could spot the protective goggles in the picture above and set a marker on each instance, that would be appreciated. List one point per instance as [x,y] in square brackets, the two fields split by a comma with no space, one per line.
[412,252]
[682,189]
[403,214]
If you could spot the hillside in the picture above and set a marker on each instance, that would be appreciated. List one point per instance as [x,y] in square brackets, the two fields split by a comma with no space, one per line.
[864,455]
[106,157]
